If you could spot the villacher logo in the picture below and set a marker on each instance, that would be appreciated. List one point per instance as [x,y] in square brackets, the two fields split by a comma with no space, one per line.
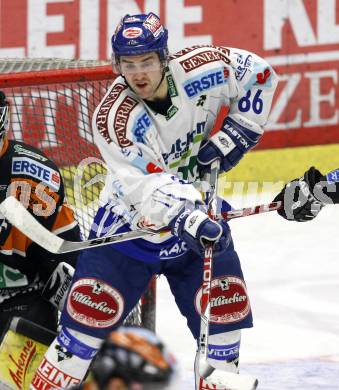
[97,308]
[229,300]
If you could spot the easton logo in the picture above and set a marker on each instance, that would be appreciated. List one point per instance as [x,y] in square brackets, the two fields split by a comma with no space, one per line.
[203,58]
[121,118]
[105,107]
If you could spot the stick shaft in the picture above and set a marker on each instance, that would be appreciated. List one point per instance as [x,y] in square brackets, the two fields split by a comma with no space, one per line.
[208,273]
[22,219]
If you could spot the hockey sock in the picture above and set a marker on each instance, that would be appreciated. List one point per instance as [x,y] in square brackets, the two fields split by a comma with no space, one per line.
[66,361]
[223,354]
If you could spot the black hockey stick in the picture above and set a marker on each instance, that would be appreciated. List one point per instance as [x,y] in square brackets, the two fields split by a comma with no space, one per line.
[23,220]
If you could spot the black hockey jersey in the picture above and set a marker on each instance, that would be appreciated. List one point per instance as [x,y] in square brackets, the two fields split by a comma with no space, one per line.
[27,174]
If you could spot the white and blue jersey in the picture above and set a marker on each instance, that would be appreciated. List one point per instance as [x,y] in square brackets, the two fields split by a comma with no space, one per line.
[152,170]
[152,158]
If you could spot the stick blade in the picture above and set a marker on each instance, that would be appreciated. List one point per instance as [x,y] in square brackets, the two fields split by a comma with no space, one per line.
[223,380]
[23,220]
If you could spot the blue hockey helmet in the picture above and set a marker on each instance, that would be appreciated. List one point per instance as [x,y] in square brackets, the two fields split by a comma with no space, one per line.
[139,34]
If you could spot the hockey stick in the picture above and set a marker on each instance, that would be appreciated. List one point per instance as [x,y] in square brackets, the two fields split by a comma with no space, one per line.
[246,211]
[23,220]
[204,368]
[210,375]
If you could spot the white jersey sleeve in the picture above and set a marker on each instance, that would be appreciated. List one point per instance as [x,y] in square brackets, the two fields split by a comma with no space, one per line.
[256,83]
[145,192]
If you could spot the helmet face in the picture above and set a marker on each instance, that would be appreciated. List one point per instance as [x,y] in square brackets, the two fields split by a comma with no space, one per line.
[4,114]
[139,34]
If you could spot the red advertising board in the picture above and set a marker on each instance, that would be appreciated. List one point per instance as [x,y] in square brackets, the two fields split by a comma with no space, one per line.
[300,38]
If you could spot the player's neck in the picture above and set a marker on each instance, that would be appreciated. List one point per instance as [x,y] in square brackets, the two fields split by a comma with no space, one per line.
[161,92]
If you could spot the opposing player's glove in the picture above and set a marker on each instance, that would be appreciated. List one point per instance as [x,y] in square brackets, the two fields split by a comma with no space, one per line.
[57,286]
[299,198]
[237,136]
[197,229]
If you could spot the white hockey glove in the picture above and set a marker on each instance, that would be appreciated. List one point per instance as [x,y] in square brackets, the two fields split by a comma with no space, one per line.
[57,286]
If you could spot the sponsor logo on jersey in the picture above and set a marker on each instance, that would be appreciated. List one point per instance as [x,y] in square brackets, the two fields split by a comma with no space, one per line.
[121,118]
[94,303]
[172,89]
[176,250]
[261,76]
[49,377]
[181,147]
[203,58]
[27,166]
[132,32]
[11,277]
[245,63]
[171,112]
[153,168]
[140,126]
[333,177]
[229,300]
[19,149]
[222,49]
[206,81]
[105,107]
[153,24]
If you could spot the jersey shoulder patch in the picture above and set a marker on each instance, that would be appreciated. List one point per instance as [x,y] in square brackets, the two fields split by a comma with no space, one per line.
[250,70]
[121,117]
[199,58]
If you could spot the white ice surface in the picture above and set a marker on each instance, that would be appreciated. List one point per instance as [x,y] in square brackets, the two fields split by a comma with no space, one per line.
[292,274]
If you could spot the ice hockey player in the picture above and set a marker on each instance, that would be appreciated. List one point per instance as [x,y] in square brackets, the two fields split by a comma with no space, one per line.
[32,281]
[303,198]
[152,129]
[131,358]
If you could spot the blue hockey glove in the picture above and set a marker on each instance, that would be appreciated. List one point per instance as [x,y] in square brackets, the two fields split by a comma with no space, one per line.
[237,136]
[196,229]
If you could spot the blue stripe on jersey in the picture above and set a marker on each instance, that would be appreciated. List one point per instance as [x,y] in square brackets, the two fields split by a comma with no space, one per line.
[139,249]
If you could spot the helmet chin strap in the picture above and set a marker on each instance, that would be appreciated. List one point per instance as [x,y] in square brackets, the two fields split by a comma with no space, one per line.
[162,79]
